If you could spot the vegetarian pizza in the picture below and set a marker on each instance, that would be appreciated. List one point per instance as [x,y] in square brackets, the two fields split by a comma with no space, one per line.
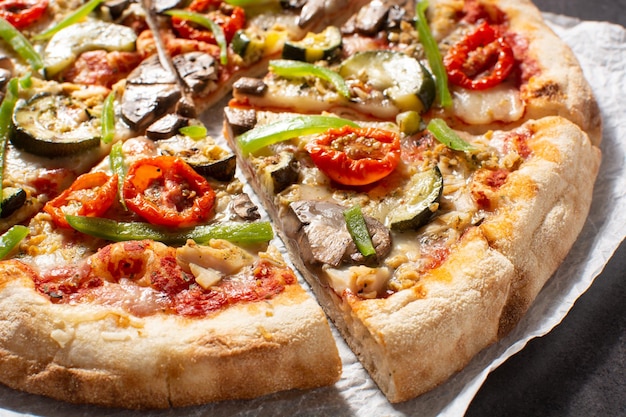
[427,166]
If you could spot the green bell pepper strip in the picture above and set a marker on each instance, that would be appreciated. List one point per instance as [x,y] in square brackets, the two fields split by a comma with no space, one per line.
[195,132]
[6,121]
[444,134]
[11,238]
[204,21]
[244,3]
[358,230]
[433,55]
[108,118]
[116,161]
[296,69]
[257,232]
[20,44]
[260,137]
[75,17]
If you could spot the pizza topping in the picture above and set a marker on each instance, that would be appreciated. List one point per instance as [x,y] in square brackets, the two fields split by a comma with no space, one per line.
[22,13]
[150,92]
[279,171]
[216,33]
[356,156]
[20,44]
[502,103]
[245,208]
[68,43]
[243,233]
[55,125]
[12,199]
[444,134]
[168,192]
[218,254]
[355,222]
[11,238]
[361,280]
[481,60]
[90,195]
[296,69]
[198,71]
[314,46]
[398,76]
[6,112]
[229,19]
[431,49]
[282,130]
[420,200]
[74,17]
[319,228]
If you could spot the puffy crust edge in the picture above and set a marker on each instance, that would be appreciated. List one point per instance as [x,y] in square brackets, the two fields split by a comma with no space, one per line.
[547,203]
[94,354]
[560,88]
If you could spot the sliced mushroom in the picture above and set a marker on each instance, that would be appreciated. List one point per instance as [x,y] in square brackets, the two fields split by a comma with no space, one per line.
[151,91]
[319,229]
[166,127]
[197,70]
[239,121]
[245,208]
[143,104]
[372,17]
[116,7]
[250,86]
[161,6]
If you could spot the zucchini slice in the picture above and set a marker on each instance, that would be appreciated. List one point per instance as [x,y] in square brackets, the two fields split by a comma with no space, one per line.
[419,202]
[314,46]
[400,77]
[12,199]
[55,125]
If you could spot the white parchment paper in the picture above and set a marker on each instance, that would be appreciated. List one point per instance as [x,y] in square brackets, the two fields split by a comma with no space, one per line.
[601,49]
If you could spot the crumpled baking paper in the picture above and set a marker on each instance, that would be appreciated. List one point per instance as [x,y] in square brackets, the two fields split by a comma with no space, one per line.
[601,49]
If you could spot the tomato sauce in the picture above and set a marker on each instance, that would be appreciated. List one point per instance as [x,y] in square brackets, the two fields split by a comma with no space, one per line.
[160,274]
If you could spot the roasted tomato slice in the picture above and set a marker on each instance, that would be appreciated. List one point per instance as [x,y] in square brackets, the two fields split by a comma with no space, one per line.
[481,60]
[166,191]
[22,13]
[229,18]
[90,195]
[356,156]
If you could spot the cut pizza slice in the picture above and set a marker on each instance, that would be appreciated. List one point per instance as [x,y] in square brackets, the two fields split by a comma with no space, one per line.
[151,282]
[424,248]
[478,65]
[234,39]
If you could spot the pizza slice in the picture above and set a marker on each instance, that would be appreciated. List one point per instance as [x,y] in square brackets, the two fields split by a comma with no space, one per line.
[498,66]
[151,282]
[424,248]
[234,39]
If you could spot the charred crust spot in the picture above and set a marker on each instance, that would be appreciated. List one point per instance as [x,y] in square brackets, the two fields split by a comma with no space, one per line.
[550,91]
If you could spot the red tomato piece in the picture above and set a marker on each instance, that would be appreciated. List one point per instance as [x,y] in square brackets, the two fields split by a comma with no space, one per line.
[166,191]
[481,60]
[22,13]
[229,18]
[90,195]
[356,156]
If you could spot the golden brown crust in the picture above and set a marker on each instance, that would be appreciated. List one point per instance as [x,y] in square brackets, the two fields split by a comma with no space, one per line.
[101,355]
[552,81]
[559,88]
[547,202]
[417,338]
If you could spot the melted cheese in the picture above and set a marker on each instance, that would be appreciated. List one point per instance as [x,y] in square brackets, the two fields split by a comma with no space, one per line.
[502,103]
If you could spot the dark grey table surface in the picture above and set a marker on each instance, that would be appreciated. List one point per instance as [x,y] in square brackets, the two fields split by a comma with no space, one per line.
[578,369]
